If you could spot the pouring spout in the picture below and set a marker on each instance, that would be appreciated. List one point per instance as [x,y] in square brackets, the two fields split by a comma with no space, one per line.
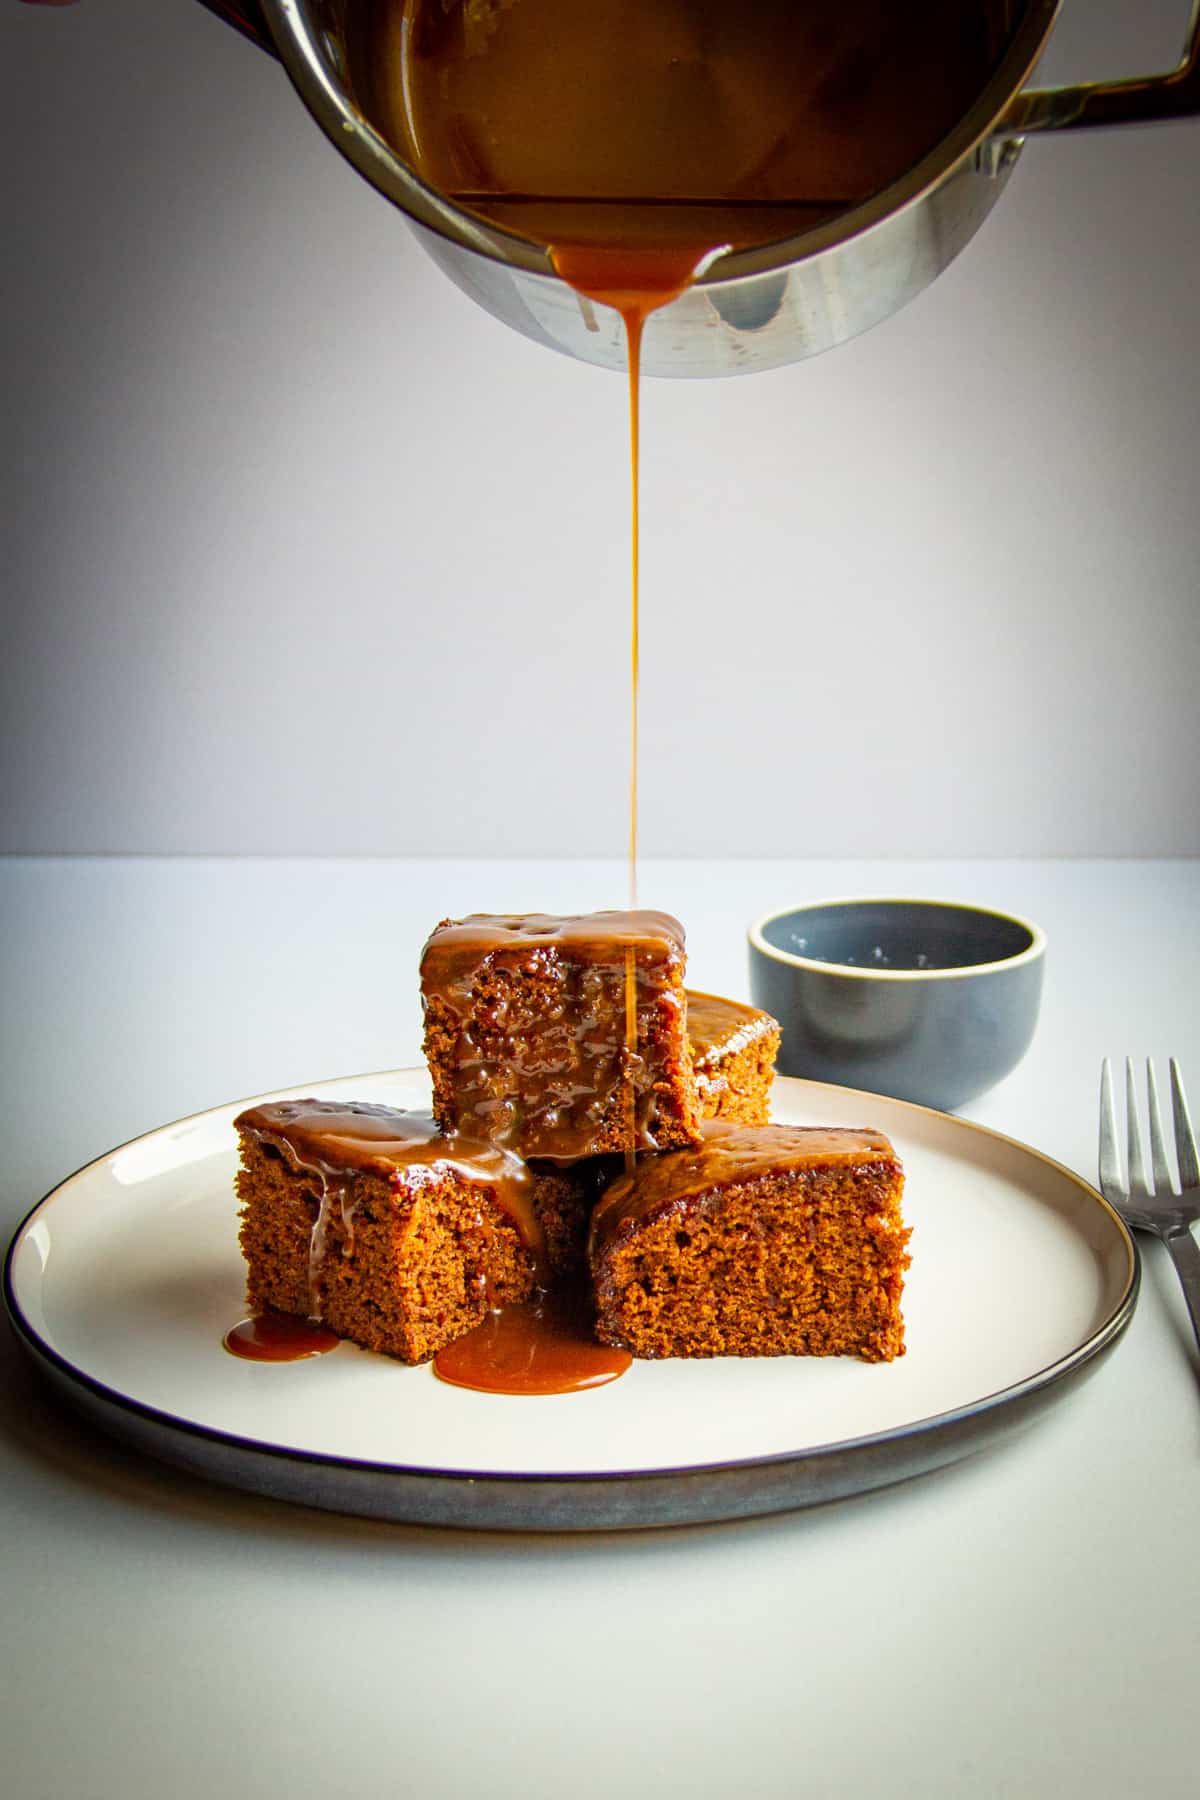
[245,16]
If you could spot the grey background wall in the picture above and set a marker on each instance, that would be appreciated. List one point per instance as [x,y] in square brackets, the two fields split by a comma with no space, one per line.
[302,553]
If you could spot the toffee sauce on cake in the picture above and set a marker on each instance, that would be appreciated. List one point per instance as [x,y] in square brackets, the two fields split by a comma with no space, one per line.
[719,1027]
[571,1063]
[330,1142]
[330,1139]
[542,1346]
[730,1153]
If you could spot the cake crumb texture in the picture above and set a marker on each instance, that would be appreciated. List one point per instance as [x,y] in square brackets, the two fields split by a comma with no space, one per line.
[733,1049]
[525,1033]
[401,1262]
[799,1262]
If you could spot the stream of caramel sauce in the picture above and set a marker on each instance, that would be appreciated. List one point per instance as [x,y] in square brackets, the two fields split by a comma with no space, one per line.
[634,139]
[635,281]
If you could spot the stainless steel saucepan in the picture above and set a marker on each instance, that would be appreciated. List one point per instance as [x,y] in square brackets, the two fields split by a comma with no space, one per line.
[752,309]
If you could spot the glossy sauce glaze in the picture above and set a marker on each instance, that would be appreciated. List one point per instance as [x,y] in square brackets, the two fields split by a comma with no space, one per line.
[332,1141]
[718,1027]
[588,937]
[730,1153]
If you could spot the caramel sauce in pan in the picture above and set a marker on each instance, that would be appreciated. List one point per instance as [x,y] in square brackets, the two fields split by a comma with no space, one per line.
[543,1346]
[277,1337]
[630,122]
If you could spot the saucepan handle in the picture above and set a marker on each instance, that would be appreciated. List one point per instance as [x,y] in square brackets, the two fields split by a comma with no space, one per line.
[245,16]
[1143,100]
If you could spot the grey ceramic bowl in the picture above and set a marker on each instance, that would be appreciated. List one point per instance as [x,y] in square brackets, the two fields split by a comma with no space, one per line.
[923,999]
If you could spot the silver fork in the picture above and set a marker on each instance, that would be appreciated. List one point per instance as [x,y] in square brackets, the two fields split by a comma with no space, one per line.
[1159,1206]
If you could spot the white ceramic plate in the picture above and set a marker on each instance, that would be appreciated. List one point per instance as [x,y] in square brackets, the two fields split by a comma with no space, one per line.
[123,1280]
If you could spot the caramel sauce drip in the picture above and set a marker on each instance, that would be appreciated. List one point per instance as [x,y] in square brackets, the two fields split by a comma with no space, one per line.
[333,1142]
[631,1047]
[542,1346]
[635,281]
[278,1337]
[587,937]
[730,1153]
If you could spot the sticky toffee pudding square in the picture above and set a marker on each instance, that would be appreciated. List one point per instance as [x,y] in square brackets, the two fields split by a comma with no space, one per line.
[527,1039]
[368,1219]
[773,1240]
[733,1049]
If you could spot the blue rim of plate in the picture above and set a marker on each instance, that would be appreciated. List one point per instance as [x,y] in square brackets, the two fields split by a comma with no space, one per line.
[688,1494]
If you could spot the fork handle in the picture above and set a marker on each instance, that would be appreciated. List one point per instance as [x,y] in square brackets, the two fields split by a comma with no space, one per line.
[1185,1254]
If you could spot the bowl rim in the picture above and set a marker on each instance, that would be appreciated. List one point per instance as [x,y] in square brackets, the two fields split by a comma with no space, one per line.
[1034,949]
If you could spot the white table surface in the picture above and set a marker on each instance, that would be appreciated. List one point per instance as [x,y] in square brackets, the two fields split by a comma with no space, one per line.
[1022,1624]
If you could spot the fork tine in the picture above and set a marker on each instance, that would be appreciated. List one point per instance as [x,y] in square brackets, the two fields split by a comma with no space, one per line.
[1163,1180]
[1137,1164]
[1112,1175]
[1185,1137]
